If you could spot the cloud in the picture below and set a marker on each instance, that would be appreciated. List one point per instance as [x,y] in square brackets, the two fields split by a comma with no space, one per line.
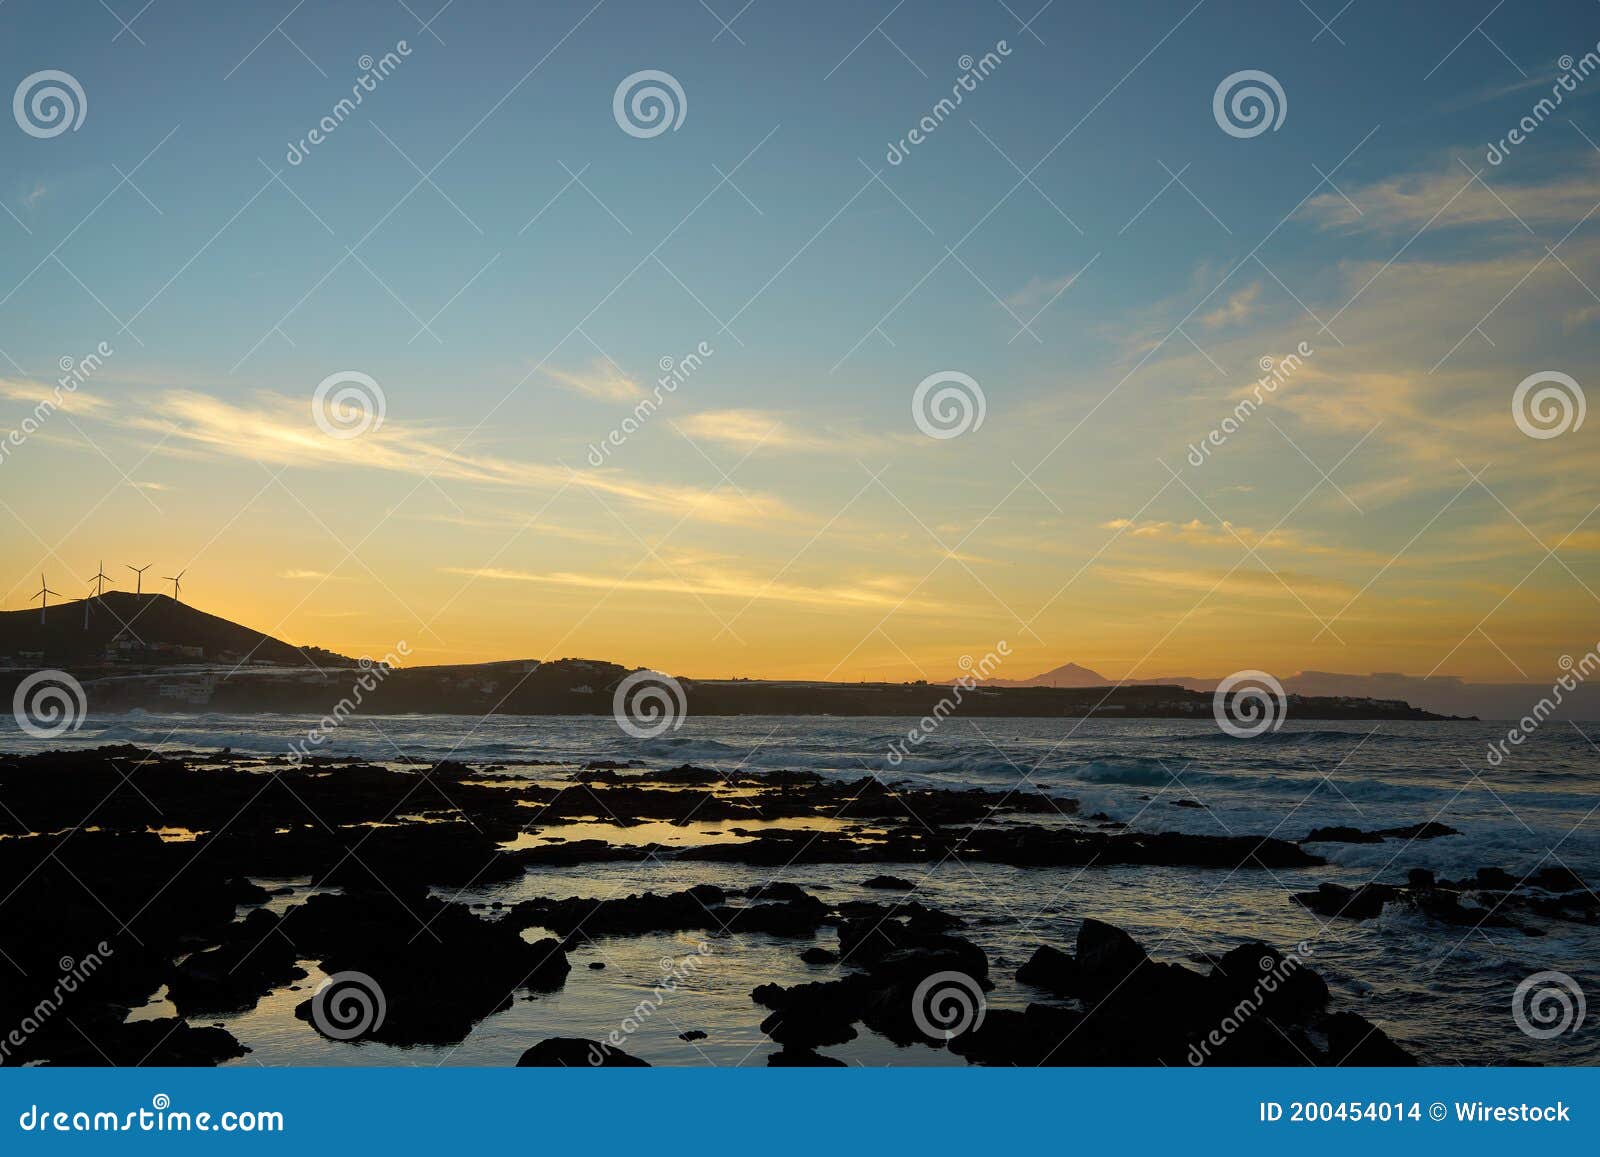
[602,379]
[1248,582]
[1449,196]
[1039,290]
[307,575]
[1239,307]
[279,431]
[750,430]
[1201,533]
[67,401]
[881,592]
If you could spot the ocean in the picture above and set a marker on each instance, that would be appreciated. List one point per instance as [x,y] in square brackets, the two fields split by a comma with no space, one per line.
[1443,991]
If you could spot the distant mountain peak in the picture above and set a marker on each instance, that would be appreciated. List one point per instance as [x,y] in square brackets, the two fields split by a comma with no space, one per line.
[1066,675]
[1070,675]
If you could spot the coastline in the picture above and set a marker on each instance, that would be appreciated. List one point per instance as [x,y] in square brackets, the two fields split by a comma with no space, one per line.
[269,878]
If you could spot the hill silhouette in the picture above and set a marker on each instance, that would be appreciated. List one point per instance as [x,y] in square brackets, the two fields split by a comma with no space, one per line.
[153,628]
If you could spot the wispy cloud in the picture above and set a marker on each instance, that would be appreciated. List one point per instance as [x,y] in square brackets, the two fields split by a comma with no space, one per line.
[1237,308]
[276,430]
[602,379]
[879,592]
[1447,195]
[76,401]
[1038,290]
[767,430]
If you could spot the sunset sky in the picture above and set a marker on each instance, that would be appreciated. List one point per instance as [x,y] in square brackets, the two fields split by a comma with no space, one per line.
[1080,237]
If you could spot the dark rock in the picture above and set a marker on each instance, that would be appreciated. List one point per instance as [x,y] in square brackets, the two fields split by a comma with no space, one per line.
[253,958]
[161,1043]
[440,969]
[692,1034]
[1363,903]
[1106,954]
[778,891]
[1342,835]
[799,917]
[790,1058]
[889,883]
[1558,879]
[1282,987]
[1052,970]
[577,1053]
[631,915]
[1353,1040]
[1424,831]
[819,956]
[807,1016]
[1041,1035]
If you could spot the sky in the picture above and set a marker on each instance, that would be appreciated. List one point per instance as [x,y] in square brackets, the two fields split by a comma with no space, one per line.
[1087,250]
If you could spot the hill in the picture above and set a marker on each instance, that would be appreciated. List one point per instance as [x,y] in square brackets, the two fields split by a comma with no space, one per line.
[153,629]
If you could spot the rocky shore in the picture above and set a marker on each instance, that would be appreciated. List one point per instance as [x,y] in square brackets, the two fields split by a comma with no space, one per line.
[164,872]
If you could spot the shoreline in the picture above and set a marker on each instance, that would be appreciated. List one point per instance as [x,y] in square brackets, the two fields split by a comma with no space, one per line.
[827,904]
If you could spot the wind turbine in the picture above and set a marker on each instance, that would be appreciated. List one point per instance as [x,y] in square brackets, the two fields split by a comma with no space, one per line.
[44,597]
[138,581]
[174,579]
[100,578]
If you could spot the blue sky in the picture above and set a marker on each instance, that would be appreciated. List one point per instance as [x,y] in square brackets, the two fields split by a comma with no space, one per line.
[822,291]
